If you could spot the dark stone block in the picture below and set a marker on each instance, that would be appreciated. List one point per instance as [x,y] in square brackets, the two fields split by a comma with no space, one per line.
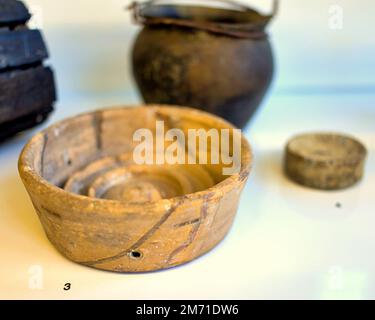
[21,47]
[24,92]
[13,12]
[27,88]
[10,128]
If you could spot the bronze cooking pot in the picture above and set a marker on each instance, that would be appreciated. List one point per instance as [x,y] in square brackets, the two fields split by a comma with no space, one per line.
[215,59]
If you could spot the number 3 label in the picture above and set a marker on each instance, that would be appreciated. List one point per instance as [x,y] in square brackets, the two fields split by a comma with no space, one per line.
[67,286]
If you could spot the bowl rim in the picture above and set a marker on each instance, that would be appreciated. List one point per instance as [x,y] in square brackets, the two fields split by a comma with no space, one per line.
[29,175]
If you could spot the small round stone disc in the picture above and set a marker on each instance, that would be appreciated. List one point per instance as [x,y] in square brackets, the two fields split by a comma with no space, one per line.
[326,161]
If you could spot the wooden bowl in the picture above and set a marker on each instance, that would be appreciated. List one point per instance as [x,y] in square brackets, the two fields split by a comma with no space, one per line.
[101,209]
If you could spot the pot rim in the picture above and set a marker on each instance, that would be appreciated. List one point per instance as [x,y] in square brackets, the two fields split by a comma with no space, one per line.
[100,207]
[245,22]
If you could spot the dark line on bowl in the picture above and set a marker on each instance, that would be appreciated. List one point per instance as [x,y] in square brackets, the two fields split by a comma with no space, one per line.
[97,123]
[243,175]
[45,140]
[215,214]
[186,223]
[194,230]
[139,242]
[50,212]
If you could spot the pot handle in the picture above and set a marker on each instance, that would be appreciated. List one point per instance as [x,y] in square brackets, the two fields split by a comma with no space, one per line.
[275,5]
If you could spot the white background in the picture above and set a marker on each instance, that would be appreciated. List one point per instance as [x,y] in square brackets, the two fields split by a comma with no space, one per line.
[287,241]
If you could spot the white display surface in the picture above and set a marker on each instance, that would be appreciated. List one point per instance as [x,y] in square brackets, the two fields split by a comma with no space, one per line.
[287,241]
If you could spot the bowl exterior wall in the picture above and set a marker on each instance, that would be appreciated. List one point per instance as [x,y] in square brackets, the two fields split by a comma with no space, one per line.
[163,236]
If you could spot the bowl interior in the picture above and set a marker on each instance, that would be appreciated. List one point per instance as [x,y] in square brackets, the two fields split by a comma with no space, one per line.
[136,155]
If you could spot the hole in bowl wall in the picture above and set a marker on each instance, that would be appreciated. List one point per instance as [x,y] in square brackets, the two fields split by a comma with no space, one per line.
[136,255]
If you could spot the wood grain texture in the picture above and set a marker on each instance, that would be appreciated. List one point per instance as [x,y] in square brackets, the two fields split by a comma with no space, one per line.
[25,92]
[121,235]
[21,47]
[13,12]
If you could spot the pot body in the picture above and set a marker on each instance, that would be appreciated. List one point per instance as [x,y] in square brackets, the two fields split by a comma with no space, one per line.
[224,75]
